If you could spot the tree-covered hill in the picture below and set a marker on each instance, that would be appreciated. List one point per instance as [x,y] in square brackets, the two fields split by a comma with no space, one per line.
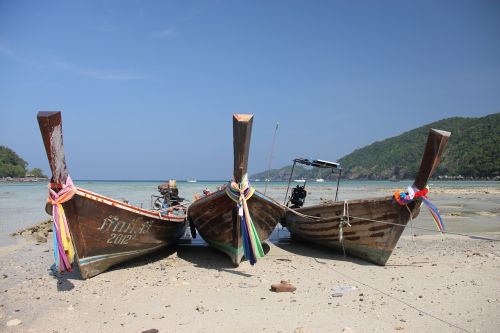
[11,165]
[473,152]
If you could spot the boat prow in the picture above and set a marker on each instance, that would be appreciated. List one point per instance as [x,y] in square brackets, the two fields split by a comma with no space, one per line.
[104,232]
[367,228]
[217,217]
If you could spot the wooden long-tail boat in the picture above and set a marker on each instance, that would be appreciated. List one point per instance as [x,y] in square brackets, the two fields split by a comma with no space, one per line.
[104,231]
[217,217]
[368,228]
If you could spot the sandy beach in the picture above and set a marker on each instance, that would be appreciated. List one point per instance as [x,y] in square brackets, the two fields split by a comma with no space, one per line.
[428,285]
[369,127]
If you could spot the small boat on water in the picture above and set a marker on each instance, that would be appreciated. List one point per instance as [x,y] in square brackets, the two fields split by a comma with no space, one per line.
[237,219]
[299,180]
[191,180]
[365,228]
[320,180]
[96,231]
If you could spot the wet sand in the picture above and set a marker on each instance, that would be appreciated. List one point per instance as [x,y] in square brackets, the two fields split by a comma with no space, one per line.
[429,284]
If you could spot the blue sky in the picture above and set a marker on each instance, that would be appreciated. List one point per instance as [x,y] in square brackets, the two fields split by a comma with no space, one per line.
[147,88]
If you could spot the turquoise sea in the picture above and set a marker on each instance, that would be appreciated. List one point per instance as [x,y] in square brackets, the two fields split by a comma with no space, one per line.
[22,204]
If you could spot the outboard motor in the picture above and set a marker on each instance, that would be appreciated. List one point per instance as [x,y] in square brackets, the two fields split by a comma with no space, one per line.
[170,193]
[298,196]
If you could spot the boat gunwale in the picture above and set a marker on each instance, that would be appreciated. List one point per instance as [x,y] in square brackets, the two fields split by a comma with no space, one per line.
[345,202]
[223,191]
[134,209]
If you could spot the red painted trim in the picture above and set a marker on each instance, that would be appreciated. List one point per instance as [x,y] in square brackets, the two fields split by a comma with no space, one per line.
[138,210]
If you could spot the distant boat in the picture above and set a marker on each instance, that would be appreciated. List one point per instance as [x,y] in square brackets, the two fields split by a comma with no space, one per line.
[191,180]
[220,220]
[104,231]
[299,180]
[267,180]
[257,180]
[364,228]
[320,180]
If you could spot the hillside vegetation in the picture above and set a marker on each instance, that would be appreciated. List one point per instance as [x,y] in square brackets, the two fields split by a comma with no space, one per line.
[473,151]
[11,165]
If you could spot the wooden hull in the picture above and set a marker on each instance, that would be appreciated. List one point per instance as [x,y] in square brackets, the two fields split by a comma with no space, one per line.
[106,232]
[215,218]
[368,240]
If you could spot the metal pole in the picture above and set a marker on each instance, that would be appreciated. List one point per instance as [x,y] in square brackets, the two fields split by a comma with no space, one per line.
[338,182]
[271,155]
[289,179]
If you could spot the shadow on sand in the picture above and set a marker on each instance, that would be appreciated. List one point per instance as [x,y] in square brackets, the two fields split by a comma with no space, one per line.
[64,279]
[202,255]
[315,251]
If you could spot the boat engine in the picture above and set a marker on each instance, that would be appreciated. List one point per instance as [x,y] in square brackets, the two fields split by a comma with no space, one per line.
[298,196]
[170,193]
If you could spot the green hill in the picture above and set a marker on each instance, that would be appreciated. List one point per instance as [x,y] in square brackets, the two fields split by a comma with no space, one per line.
[472,152]
[11,165]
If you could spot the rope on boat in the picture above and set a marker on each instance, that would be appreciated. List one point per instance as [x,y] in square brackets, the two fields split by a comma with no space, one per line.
[400,225]
[240,193]
[344,221]
[64,252]
[403,198]
[427,229]
[291,210]
[411,224]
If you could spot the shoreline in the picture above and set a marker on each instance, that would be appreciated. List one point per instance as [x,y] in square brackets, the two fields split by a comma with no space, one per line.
[22,179]
[310,181]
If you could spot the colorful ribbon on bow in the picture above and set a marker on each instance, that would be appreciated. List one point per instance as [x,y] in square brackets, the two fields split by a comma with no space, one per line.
[240,193]
[64,252]
[411,194]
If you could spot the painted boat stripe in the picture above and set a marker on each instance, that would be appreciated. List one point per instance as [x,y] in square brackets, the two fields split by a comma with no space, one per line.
[225,246]
[93,259]
[122,205]
[263,196]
